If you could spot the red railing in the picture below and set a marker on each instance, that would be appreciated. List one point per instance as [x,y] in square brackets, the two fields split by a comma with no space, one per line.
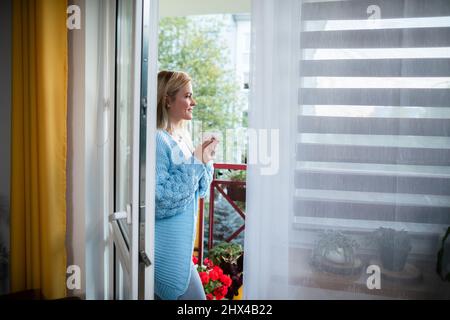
[218,185]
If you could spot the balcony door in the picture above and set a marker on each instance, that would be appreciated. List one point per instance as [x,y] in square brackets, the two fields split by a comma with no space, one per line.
[131,224]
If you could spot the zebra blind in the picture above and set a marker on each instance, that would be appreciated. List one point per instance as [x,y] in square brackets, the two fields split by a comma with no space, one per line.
[374,112]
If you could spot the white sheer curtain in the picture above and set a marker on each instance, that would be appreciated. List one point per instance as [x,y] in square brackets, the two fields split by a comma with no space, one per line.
[273,85]
[359,91]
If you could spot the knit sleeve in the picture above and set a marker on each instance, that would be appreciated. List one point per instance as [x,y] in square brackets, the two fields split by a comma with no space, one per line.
[175,184]
[206,179]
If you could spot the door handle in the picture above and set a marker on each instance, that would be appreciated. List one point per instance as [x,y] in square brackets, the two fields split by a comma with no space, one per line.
[121,215]
[144,259]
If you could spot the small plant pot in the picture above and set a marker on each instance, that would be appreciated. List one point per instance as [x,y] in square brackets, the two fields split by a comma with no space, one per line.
[236,192]
[393,260]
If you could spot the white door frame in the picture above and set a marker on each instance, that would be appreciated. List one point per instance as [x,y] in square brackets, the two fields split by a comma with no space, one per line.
[142,235]
[151,7]
[127,255]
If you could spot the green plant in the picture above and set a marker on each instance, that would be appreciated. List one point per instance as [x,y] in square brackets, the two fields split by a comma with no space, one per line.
[215,282]
[237,192]
[393,245]
[443,261]
[226,252]
[335,243]
[230,257]
[197,45]
[237,175]
[391,238]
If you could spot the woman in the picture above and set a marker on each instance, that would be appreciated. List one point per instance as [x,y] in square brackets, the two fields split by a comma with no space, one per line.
[183,174]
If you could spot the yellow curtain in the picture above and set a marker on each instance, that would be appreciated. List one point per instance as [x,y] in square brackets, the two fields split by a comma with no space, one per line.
[39,130]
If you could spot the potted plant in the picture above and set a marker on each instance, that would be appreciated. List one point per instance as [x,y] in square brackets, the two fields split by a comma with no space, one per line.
[335,252]
[215,283]
[237,191]
[443,261]
[230,257]
[393,246]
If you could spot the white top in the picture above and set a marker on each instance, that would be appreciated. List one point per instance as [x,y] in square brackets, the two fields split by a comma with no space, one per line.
[184,144]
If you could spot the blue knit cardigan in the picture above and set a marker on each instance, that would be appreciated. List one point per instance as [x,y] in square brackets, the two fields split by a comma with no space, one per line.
[179,184]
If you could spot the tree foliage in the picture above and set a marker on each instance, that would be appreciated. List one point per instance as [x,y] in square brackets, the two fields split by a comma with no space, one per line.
[197,47]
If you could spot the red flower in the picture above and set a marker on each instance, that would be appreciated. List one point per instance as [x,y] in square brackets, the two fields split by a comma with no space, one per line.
[208,263]
[218,270]
[204,277]
[221,291]
[213,275]
[215,282]
[226,280]
[219,297]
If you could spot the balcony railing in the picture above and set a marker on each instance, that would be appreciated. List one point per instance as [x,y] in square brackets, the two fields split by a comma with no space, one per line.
[219,186]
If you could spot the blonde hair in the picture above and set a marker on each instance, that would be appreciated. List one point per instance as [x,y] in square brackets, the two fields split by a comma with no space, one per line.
[169,83]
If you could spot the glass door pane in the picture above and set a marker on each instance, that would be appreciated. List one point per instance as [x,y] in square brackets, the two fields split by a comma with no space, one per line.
[124,110]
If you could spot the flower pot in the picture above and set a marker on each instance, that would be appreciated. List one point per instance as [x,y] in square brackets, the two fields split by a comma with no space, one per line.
[239,296]
[392,259]
[236,192]
[336,256]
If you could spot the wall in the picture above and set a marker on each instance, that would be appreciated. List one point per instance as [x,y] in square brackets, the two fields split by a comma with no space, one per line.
[196,7]
[75,151]
[99,89]
[88,197]
[5,133]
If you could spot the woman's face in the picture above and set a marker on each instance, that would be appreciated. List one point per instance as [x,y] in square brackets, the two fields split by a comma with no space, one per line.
[181,106]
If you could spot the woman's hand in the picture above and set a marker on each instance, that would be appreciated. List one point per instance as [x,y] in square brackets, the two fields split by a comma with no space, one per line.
[206,151]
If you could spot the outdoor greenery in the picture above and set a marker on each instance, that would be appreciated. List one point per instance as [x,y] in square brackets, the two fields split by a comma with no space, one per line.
[237,175]
[226,221]
[226,252]
[230,257]
[196,46]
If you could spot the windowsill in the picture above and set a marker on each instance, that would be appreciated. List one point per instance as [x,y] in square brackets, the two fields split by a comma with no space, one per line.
[399,199]
[302,274]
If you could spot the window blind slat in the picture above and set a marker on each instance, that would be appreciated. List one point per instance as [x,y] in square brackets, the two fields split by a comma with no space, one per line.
[372,183]
[357,9]
[377,82]
[374,169]
[368,154]
[375,24]
[400,199]
[376,53]
[381,97]
[373,120]
[374,126]
[372,211]
[395,38]
[379,68]
[369,112]
[393,141]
